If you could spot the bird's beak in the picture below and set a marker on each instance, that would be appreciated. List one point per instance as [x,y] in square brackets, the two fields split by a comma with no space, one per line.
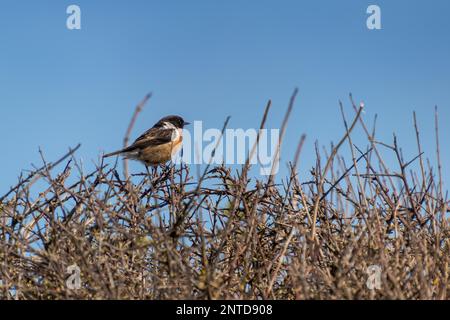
[186,123]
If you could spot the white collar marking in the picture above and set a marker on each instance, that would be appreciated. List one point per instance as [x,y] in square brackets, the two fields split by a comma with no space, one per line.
[175,131]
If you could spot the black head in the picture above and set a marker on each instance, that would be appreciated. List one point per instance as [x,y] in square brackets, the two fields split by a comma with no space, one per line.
[177,121]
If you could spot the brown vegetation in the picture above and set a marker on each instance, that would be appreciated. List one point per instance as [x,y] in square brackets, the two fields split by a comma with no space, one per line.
[225,235]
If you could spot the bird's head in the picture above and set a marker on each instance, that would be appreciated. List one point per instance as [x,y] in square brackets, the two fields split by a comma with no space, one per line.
[171,121]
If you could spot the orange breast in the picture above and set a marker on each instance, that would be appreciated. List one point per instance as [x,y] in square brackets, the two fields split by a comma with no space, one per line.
[162,153]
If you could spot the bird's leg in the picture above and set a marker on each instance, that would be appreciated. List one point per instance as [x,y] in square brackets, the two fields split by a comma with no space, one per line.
[154,171]
[151,173]
[148,171]
[148,177]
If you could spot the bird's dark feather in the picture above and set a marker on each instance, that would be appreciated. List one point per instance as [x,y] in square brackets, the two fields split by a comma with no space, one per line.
[152,137]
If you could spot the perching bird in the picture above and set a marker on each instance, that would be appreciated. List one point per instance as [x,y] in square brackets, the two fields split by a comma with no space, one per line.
[158,144]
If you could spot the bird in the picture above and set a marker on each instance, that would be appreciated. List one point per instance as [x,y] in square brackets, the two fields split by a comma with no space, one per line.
[158,144]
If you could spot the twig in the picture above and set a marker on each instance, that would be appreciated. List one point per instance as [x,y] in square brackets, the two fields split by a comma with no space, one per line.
[32,177]
[280,140]
[126,139]
[327,166]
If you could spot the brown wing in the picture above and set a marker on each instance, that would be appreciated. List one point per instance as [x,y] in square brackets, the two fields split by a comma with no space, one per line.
[152,137]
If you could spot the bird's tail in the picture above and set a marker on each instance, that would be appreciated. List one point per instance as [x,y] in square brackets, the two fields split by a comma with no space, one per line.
[115,153]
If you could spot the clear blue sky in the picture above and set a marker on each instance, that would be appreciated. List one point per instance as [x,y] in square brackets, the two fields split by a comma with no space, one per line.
[208,59]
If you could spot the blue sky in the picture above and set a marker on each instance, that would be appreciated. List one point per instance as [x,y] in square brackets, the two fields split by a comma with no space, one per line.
[206,60]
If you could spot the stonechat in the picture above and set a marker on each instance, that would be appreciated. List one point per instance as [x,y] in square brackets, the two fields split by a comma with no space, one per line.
[158,144]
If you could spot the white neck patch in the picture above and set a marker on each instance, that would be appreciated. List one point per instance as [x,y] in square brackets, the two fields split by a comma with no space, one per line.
[175,131]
